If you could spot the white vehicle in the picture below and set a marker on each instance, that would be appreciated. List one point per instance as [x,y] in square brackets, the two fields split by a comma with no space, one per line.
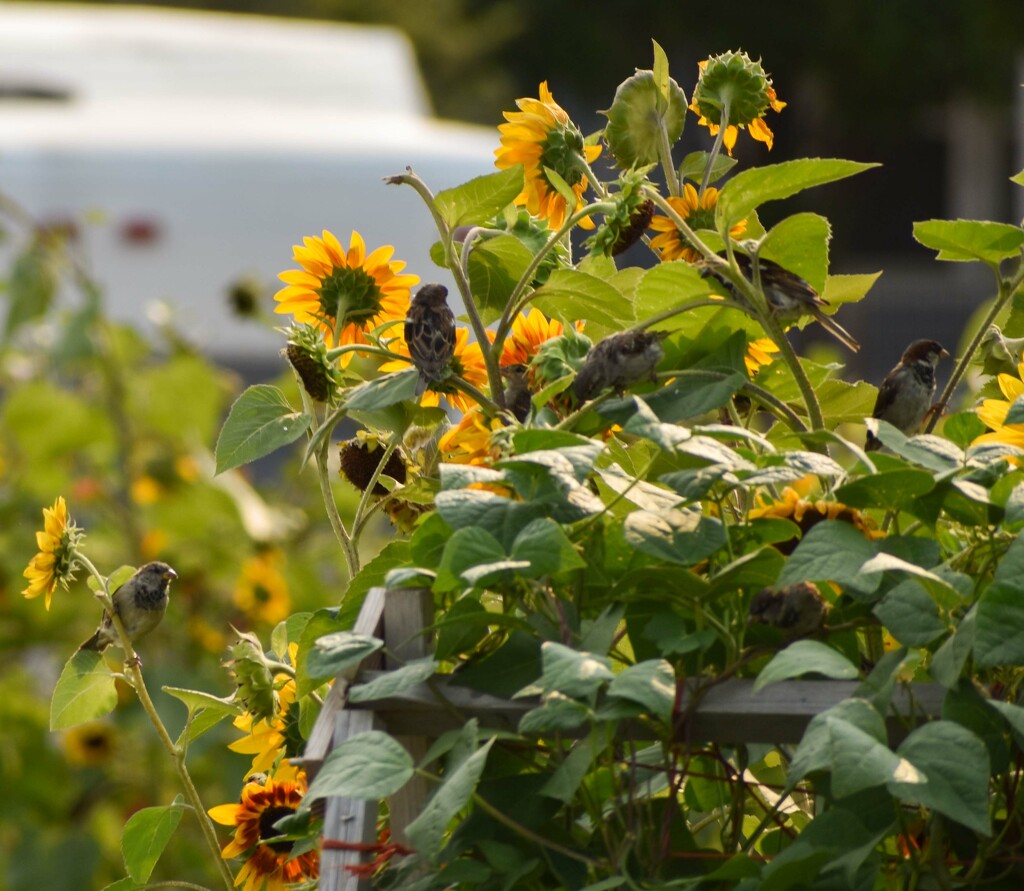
[209,144]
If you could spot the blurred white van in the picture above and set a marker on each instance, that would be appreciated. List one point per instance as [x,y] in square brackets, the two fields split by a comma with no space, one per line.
[210,144]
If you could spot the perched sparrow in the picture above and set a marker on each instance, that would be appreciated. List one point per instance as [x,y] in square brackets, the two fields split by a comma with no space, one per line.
[789,296]
[618,361]
[906,393]
[518,399]
[430,333]
[796,609]
[140,603]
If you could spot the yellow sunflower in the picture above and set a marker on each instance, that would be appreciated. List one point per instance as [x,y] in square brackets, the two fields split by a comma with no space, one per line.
[268,739]
[89,744]
[759,353]
[55,563]
[992,412]
[807,514]
[269,865]
[349,288]
[467,362]
[261,591]
[699,213]
[540,135]
[529,331]
[469,441]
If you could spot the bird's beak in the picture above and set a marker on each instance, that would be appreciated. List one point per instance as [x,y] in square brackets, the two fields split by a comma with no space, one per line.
[170,574]
[944,354]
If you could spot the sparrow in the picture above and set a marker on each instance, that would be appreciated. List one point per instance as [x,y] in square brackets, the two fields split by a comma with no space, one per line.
[430,333]
[518,399]
[140,603]
[906,393]
[618,361]
[789,296]
[796,609]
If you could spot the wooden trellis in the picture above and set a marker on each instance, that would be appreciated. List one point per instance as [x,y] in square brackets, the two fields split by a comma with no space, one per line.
[729,712]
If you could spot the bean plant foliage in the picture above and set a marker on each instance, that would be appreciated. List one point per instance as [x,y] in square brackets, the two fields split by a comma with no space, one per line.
[640,492]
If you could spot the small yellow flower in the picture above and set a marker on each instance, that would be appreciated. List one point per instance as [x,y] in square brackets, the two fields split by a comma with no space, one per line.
[269,867]
[759,355]
[540,135]
[992,412]
[699,213]
[351,288]
[89,744]
[55,563]
[261,591]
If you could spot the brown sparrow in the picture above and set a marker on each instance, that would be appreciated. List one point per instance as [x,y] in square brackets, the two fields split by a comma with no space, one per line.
[430,333]
[140,603]
[907,392]
[618,361]
[796,609]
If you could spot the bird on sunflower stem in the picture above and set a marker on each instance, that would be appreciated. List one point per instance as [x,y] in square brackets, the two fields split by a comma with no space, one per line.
[140,604]
[906,394]
[430,334]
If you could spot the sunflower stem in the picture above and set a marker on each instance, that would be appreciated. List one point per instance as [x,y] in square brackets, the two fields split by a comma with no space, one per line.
[716,148]
[134,669]
[672,178]
[681,224]
[1006,288]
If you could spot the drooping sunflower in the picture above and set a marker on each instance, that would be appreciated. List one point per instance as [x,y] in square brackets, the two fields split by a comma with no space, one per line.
[268,865]
[699,213]
[529,331]
[992,412]
[261,591]
[540,135]
[467,363]
[807,514]
[349,289]
[54,564]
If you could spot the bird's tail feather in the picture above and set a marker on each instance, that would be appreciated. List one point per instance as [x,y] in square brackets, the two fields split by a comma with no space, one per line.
[837,331]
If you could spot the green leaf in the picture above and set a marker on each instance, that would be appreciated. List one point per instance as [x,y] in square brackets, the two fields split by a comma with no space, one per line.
[481,199]
[970,239]
[260,422]
[145,836]
[651,683]
[372,575]
[832,551]
[890,489]
[1018,178]
[800,244]
[501,517]
[840,289]
[545,547]
[680,536]
[571,672]
[471,556]
[910,614]
[557,713]
[570,296]
[694,164]
[999,637]
[197,700]
[805,657]
[751,188]
[569,775]
[399,386]
[335,652]
[963,428]
[511,667]
[667,286]
[949,660]
[85,691]
[495,266]
[661,77]
[428,831]
[956,765]
[391,683]
[365,766]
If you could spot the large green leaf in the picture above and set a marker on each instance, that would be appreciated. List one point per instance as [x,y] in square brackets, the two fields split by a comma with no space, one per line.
[832,551]
[391,389]
[999,637]
[910,614]
[651,683]
[335,652]
[494,268]
[365,766]
[481,199]
[667,286]
[970,239]
[546,548]
[800,244]
[260,422]
[571,296]
[145,836]
[391,683]
[572,672]
[806,657]
[890,489]
[751,188]
[85,691]
[679,536]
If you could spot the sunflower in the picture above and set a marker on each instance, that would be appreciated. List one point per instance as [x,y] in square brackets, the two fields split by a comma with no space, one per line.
[268,739]
[467,363]
[261,591]
[349,288]
[541,137]
[469,441]
[269,865]
[759,354]
[529,331]
[89,744]
[55,563]
[699,213]
[992,412]
[807,514]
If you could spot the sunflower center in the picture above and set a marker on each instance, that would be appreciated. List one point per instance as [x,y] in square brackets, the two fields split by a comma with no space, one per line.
[267,820]
[351,293]
[563,147]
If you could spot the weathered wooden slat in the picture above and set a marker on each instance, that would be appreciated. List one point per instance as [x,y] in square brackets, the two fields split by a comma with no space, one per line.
[730,712]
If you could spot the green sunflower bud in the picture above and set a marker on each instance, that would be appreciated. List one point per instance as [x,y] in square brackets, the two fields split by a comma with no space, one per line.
[638,113]
[253,677]
[307,354]
[560,357]
[732,79]
[632,215]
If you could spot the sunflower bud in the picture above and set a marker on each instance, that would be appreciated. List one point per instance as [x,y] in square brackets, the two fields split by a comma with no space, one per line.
[732,79]
[637,115]
[560,357]
[360,458]
[307,354]
[253,677]
[623,227]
